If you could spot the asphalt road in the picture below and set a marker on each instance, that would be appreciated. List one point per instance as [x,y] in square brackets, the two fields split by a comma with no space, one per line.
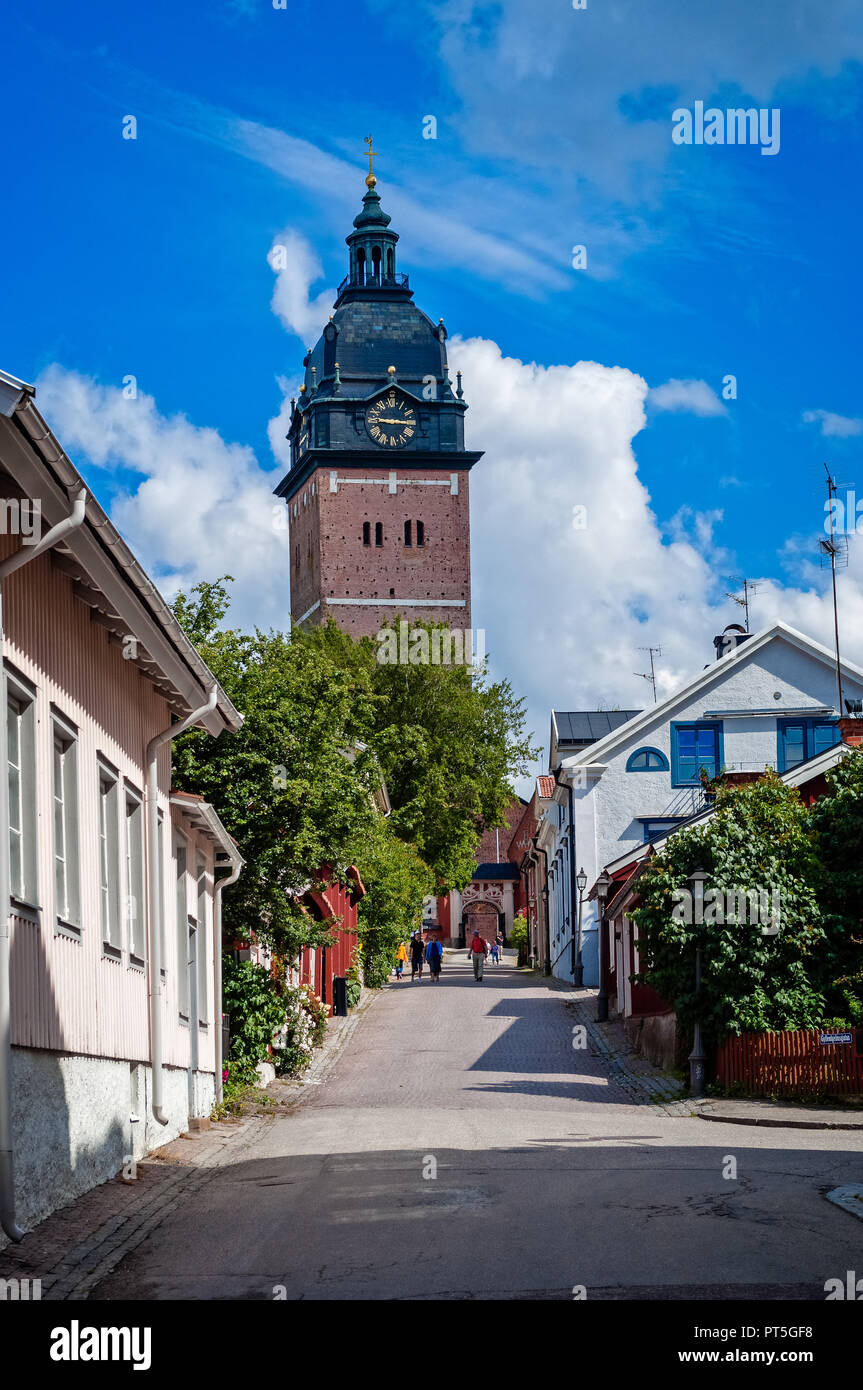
[461,1148]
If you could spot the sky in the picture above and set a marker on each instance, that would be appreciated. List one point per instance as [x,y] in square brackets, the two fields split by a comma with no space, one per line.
[656,410]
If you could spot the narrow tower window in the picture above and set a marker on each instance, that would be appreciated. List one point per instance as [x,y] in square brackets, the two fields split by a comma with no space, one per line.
[421,533]
[376,264]
[379,533]
[361,266]
[390,264]
[367,533]
[407,533]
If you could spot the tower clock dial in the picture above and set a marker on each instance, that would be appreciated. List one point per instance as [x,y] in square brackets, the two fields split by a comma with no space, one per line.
[391,421]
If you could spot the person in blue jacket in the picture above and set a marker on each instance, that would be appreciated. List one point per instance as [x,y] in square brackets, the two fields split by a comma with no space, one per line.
[434,956]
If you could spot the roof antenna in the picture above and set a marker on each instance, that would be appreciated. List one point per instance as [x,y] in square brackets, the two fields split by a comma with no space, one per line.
[836,551]
[748,590]
[652,675]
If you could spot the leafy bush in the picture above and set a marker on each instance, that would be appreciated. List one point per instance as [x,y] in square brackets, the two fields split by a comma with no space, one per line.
[304,1029]
[257,1008]
[519,937]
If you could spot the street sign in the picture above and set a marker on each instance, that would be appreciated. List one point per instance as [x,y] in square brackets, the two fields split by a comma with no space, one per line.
[826,1039]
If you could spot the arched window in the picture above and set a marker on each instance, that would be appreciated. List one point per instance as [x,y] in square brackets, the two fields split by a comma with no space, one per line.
[367,533]
[647,760]
[361,267]
[390,264]
[421,533]
[408,533]
[376,263]
[379,533]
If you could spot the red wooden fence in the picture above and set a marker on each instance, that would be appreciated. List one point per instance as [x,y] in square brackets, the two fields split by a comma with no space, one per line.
[792,1064]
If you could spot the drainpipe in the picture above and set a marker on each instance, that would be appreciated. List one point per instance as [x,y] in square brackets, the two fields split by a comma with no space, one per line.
[572,889]
[218,889]
[7,1177]
[154,914]
[547,962]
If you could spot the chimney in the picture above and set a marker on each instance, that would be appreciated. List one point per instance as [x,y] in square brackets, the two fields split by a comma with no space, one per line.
[851,731]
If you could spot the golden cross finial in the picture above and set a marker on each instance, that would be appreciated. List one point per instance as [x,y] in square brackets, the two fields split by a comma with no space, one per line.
[371,180]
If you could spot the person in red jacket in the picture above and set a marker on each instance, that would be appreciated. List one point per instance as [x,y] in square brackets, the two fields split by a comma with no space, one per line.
[478,950]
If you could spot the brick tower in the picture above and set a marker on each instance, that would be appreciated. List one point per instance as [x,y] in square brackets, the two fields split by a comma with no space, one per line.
[377,492]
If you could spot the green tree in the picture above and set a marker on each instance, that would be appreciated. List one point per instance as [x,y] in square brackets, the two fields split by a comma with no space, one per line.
[396,881]
[759,840]
[837,822]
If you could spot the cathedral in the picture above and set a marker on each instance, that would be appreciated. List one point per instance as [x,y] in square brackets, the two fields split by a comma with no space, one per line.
[377,492]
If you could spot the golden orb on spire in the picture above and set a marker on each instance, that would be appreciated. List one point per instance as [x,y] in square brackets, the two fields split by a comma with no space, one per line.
[370,180]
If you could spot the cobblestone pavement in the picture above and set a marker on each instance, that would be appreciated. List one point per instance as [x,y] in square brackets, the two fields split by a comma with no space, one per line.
[643,1082]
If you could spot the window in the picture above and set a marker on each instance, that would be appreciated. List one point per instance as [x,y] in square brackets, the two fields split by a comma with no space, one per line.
[379,533]
[693,747]
[647,760]
[367,533]
[182,930]
[408,533]
[390,264]
[67,893]
[802,739]
[134,848]
[201,943]
[20,723]
[658,827]
[421,533]
[109,849]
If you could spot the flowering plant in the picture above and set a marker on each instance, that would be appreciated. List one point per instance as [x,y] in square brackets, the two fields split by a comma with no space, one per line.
[303,1030]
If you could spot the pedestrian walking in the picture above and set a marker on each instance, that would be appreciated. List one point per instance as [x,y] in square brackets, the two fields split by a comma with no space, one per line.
[478,950]
[434,956]
[494,952]
[417,953]
[401,960]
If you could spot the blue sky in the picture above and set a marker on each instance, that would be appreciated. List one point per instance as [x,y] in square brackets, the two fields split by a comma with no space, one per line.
[149,257]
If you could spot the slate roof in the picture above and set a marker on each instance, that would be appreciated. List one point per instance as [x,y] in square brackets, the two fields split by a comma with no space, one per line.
[585,726]
[488,871]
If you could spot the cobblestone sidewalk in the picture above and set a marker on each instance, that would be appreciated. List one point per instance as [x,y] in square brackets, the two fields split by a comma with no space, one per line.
[645,1083]
[73,1249]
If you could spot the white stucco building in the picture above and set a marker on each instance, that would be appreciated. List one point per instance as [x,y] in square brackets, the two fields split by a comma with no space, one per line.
[771,701]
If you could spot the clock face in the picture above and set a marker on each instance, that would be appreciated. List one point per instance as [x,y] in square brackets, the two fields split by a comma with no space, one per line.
[391,421]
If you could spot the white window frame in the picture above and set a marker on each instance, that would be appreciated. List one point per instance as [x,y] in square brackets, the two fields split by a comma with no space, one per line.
[202,941]
[181,912]
[65,823]
[23,812]
[134,868]
[109,842]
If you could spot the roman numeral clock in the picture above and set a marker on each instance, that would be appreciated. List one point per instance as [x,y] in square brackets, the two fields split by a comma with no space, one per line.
[378,488]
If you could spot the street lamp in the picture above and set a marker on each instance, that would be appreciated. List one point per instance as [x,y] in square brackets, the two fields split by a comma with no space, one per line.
[603,883]
[697,1056]
[577,968]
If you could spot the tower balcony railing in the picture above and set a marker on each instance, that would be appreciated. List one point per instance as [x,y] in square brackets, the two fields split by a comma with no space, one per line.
[376,282]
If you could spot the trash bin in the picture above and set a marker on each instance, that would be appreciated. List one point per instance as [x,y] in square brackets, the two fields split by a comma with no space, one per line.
[340,996]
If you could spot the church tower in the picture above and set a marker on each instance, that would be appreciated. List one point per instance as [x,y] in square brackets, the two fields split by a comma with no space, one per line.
[377,492]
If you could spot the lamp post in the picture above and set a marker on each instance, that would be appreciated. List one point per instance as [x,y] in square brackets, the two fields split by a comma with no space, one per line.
[577,970]
[603,883]
[697,1057]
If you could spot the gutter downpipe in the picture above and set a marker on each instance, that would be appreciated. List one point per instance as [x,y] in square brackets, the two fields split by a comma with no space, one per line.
[218,888]
[547,962]
[154,907]
[22,557]
[574,962]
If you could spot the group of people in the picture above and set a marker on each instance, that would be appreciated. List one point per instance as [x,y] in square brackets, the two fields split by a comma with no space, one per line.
[421,953]
[430,953]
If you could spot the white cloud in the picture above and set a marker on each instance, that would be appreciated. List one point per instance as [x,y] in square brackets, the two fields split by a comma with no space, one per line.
[833,426]
[694,397]
[200,506]
[297,268]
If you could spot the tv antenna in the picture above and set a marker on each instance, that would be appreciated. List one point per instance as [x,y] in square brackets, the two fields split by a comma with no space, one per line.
[748,590]
[651,675]
[834,552]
